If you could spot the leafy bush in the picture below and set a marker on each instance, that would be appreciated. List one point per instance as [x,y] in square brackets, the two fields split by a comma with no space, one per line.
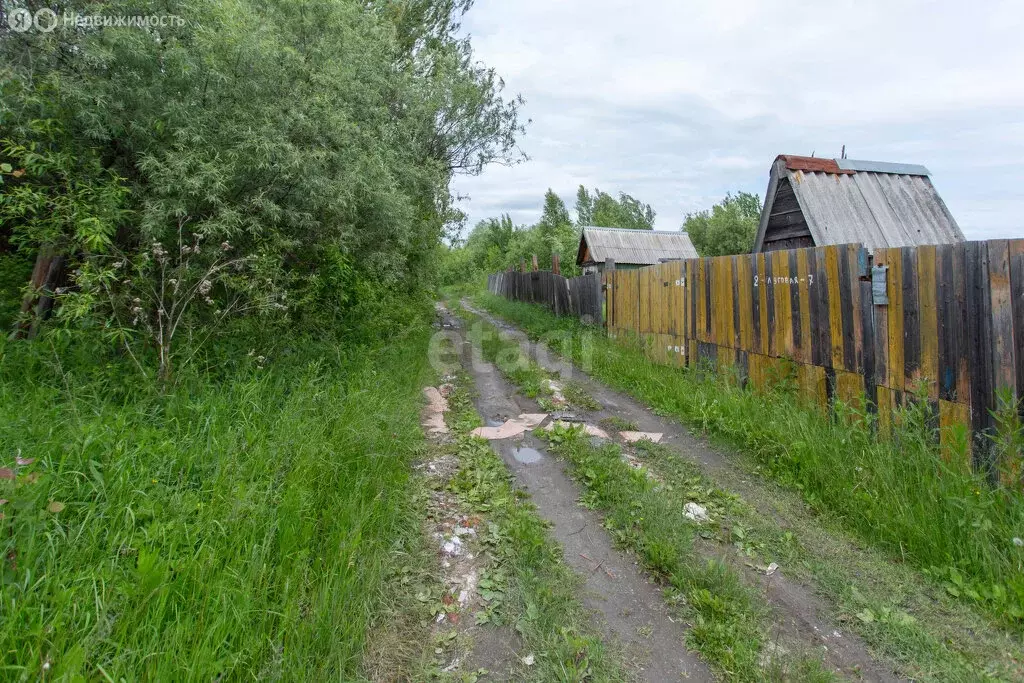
[14,274]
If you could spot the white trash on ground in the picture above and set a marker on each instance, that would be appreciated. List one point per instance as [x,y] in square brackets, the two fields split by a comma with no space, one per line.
[697,513]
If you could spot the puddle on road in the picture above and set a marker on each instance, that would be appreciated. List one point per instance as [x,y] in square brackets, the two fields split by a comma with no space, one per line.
[526,455]
[493,423]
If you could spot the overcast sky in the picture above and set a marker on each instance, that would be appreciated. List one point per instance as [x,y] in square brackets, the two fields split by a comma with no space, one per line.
[678,102]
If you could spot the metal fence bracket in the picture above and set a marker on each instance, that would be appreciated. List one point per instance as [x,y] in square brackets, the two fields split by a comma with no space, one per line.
[879,280]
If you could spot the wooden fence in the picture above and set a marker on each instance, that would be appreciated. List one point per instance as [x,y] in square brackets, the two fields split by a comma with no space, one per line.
[869,328]
[579,296]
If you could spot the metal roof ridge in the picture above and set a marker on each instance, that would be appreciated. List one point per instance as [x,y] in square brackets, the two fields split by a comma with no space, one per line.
[639,230]
[868,166]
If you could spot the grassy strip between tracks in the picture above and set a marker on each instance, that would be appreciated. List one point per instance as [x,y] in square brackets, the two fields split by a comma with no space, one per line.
[529,587]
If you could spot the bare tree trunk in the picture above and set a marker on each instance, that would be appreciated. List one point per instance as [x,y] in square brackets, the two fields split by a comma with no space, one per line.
[46,297]
[40,272]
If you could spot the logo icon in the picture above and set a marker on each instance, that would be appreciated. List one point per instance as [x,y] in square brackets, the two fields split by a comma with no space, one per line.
[46,20]
[20,20]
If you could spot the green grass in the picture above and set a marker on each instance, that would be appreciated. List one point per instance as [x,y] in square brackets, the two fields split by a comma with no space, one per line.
[898,495]
[240,526]
[618,424]
[891,606]
[730,624]
[578,397]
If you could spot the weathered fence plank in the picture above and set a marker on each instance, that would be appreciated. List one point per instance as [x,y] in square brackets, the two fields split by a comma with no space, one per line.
[578,296]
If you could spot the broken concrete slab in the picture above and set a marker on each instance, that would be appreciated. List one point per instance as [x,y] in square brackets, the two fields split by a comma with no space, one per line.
[633,437]
[433,414]
[510,428]
[435,401]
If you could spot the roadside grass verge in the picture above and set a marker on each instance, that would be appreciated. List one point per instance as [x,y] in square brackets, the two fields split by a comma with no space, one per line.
[894,608]
[529,587]
[235,527]
[900,495]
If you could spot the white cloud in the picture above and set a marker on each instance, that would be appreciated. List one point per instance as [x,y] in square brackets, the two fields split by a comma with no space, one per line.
[678,103]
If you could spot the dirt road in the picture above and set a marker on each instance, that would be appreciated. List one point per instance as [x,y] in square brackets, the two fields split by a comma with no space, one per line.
[630,606]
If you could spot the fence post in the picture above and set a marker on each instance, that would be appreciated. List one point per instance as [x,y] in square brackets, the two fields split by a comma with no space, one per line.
[522,265]
[609,284]
[555,265]
[534,263]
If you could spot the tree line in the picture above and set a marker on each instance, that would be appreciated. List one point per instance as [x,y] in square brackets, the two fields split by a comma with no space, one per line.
[262,164]
[497,243]
[494,244]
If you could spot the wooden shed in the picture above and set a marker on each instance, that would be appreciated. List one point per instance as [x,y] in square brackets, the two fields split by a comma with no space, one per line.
[631,248]
[813,202]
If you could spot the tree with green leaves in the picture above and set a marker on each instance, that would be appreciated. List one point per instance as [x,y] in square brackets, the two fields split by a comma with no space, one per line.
[584,207]
[554,214]
[557,233]
[497,243]
[728,228]
[489,242]
[602,210]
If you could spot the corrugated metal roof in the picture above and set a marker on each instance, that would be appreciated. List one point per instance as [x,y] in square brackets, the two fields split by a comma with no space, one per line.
[874,203]
[796,163]
[881,167]
[640,247]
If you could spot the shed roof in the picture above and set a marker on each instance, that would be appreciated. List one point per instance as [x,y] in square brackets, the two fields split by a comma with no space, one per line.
[877,204]
[637,247]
